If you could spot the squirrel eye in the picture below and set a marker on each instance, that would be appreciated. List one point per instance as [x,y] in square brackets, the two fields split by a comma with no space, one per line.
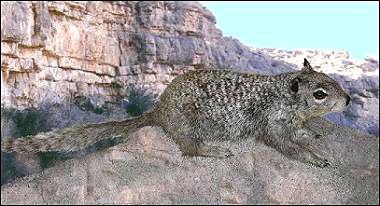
[319,94]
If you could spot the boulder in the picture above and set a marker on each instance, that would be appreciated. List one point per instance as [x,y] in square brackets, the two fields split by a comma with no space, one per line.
[149,169]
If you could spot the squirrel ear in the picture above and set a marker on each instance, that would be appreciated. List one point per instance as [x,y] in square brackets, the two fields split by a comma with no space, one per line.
[294,84]
[306,66]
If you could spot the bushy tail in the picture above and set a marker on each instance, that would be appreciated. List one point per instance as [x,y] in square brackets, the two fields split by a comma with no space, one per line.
[76,138]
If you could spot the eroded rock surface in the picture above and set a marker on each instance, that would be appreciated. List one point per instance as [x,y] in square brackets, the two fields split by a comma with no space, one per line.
[149,169]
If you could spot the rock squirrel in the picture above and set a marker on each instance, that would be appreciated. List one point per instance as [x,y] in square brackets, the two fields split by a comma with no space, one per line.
[217,105]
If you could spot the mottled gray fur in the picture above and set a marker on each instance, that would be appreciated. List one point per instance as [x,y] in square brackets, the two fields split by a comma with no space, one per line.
[217,105]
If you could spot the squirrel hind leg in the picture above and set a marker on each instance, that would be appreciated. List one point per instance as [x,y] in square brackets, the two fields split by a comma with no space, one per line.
[214,151]
[191,147]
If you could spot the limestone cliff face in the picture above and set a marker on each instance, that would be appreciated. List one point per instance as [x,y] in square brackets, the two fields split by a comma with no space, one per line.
[54,51]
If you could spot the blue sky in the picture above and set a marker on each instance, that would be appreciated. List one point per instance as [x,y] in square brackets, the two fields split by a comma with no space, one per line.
[351,26]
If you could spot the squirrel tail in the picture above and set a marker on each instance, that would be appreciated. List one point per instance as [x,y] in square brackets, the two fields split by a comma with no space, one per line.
[78,137]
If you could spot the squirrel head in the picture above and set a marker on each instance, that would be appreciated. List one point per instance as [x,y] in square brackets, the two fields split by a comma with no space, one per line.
[318,93]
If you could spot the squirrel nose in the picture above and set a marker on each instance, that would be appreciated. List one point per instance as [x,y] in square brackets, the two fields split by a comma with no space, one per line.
[348,98]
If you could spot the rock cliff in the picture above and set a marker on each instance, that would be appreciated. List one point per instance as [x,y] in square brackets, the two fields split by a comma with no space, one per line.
[55,51]
[55,55]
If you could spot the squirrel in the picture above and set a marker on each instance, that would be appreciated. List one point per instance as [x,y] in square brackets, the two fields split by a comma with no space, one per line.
[218,105]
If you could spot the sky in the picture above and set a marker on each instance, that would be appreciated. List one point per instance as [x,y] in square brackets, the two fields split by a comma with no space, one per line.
[350,26]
